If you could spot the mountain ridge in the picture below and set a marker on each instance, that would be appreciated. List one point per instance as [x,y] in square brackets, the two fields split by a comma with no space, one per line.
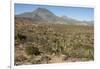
[44,15]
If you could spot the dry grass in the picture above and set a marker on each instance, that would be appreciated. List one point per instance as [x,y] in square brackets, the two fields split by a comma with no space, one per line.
[41,43]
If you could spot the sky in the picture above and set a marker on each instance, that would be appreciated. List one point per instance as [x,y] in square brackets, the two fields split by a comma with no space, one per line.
[78,13]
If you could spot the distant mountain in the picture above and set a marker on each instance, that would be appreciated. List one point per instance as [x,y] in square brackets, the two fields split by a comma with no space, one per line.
[44,15]
[70,20]
[40,14]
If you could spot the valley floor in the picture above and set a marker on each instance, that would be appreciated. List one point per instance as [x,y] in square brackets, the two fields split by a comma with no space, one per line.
[53,43]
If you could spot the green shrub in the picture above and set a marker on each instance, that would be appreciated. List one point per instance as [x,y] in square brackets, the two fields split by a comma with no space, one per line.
[30,50]
[20,37]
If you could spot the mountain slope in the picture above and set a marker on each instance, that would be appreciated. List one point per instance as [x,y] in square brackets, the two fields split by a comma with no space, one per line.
[43,15]
[40,14]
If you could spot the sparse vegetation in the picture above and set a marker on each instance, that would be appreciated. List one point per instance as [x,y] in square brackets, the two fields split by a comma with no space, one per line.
[38,42]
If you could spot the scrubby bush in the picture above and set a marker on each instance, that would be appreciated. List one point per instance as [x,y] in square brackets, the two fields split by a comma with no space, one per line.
[20,37]
[31,50]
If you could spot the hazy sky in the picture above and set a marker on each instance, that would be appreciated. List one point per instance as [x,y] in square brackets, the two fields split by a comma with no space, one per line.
[79,13]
